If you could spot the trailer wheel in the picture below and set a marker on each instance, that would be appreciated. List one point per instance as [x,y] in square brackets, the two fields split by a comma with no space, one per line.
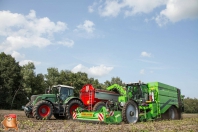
[71,106]
[28,114]
[42,109]
[130,112]
[98,106]
[172,113]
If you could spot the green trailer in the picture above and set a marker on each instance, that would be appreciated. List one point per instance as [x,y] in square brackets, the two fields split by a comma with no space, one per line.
[139,102]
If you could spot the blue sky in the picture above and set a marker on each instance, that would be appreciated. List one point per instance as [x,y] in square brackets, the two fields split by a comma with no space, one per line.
[155,40]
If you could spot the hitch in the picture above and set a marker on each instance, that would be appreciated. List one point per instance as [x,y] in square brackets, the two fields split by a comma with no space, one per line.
[26,108]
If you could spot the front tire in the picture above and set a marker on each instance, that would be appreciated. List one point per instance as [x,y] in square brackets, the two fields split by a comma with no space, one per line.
[28,114]
[130,112]
[42,110]
[71,106]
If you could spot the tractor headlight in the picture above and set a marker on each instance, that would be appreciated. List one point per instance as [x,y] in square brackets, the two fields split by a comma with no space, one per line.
[122,104]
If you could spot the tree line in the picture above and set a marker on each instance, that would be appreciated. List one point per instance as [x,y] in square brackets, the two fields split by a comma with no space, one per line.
[18,82]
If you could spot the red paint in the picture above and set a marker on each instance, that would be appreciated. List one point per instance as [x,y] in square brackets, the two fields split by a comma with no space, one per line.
[44,110]
[87,95]
[72,108]
[74,115]
[100,117]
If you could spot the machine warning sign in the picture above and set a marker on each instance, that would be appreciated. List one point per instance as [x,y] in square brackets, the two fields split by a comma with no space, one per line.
[87,114]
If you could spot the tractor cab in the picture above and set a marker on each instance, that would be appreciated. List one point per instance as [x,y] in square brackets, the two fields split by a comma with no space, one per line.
[137,91]
[63,91]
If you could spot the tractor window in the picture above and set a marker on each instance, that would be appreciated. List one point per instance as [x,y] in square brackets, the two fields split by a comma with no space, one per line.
[71,92]
[64,93]
[137,92]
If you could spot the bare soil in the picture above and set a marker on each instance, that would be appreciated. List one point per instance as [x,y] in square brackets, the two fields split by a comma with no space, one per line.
[188,123]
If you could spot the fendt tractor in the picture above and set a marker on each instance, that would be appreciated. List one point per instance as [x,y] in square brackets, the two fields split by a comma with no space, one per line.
[58,101]
[138,102]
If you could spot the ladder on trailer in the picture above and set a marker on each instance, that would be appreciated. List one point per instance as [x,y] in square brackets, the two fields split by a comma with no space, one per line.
[90,100]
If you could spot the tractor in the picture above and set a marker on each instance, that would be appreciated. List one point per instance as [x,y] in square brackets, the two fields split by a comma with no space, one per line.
[58,101]
[139,102]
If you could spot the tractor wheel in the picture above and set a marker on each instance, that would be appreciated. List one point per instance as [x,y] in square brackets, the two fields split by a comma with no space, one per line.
[28,114]
[42,109]
[71,106]
[98,106]
[59,117]
[130,112]
[172,113]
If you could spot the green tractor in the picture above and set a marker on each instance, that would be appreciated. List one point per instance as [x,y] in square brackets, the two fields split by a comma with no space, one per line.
[58,101]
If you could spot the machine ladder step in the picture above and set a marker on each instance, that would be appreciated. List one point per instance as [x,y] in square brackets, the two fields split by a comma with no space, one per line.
[62,110]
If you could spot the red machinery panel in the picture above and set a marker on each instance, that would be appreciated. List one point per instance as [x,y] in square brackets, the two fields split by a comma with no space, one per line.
[90,96]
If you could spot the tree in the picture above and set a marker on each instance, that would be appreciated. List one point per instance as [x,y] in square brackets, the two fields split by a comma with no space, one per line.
[52,76]
[190,105]
[114,80]
[95,83]
[78,80]
[29,75]
[39,84]
[10,80]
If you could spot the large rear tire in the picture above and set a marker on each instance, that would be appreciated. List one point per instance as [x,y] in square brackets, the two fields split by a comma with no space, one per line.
[172,113]
[130,112]
[98,106]
[71,106]
[42,110]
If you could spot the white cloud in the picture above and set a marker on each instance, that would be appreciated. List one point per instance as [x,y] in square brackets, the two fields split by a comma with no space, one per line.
[23,62]
[20,31]
[88,26]
[177,10]
[110,8]
[95,71]
[67,42]
[91,8]
[142,71]
[141,6]
[17,55]
[129,7]
[145,54]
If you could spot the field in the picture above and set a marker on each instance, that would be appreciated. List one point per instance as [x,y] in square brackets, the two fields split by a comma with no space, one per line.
[189,123]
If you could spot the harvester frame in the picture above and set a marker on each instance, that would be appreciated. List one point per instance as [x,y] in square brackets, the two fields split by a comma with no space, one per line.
[140,102]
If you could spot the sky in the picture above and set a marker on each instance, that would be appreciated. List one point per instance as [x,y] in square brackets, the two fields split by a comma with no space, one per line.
[151,41]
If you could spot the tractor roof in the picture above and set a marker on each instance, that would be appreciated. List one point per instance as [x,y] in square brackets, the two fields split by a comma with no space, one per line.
[63,86]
